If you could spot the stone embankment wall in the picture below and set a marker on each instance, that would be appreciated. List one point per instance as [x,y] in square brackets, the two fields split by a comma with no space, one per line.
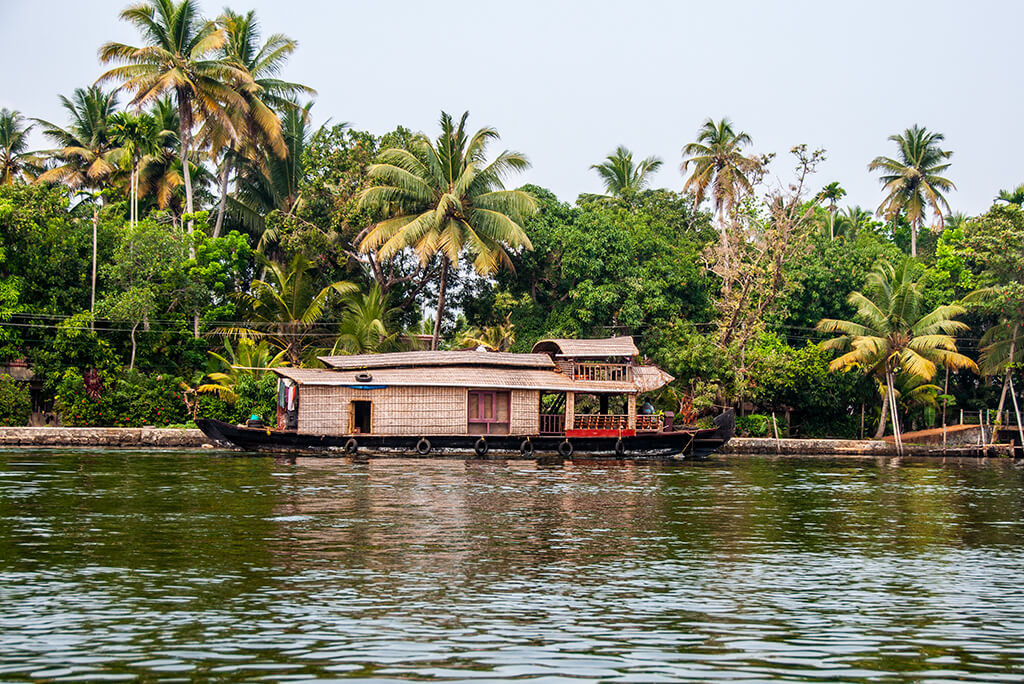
[846,447]
[100,437]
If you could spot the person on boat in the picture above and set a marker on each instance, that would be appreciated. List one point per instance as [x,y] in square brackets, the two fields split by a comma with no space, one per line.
[647,409]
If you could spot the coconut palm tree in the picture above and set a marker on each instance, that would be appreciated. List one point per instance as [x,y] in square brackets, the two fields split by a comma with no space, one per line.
[138,138]
[85,156]
[15,159]
[913,181]
[367,325]
[891,333]
[721,168]
[270,97]
[286,309]
[499,337]
[160,174]
[443,198]
[621,176]
[180,57]
[833,192]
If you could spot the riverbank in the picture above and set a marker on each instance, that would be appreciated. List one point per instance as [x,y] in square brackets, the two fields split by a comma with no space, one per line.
[183,438]
[102,437]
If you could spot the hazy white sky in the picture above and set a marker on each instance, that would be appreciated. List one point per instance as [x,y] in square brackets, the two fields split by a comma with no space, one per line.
[566,82]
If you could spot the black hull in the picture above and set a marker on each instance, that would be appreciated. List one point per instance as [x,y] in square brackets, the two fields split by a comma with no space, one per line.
[693,443]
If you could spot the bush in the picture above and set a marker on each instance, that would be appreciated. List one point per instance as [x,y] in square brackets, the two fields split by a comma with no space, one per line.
[128,399]
[754,425]
[15,401]
[255,395]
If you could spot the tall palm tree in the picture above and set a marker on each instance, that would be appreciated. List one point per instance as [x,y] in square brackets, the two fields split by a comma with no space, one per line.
[913,181]
[445,199]
[719,166]
[180,57]
[833,192]
[15,159]
[270,96]
[286,310]
[1002,345]
[86,156]
[160,174]
[621,176]
[891,333]
[138,138]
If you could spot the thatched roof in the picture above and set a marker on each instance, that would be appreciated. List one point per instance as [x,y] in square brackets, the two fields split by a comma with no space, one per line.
[650,378]
[454,376]
[588,349]
[427,359]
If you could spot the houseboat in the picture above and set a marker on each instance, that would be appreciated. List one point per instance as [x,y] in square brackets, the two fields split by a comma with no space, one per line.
[566,397]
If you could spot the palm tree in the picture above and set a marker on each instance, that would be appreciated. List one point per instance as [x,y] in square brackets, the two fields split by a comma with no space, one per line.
[160,172]
[138,138]
[271,182]
[851,220]
[270,97]
[15,159]
[180,57]
[1015,196]
[86,155]
[720,166]
[912,182]
[833,192]
[248,358]
[499,337]
[1002,345]
[623,178]
[286,310]
[367,325]
[891,334]
[444,199]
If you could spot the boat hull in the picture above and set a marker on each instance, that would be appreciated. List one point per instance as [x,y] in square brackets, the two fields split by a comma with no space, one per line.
[687,443]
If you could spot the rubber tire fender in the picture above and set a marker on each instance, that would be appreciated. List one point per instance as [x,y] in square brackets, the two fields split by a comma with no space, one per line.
[481,447]
[423,446]
[526,447]
[565,449]
[351,446]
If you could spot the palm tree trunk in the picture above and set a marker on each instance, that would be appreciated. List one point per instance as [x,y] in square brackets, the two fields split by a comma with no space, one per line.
[831,226]
[92,296]
[913,238]
[894,414]
[880,432]
[131,364]
[225,174]
[440,304]
[1006,378]
[185,133]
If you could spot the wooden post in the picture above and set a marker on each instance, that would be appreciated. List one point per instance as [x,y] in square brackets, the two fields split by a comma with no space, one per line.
[631,411]
[570,410]
[1016,410]
[961,416]
[862,420]
[775,426]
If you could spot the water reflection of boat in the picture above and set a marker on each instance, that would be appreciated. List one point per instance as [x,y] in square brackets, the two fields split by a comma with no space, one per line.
[566,396]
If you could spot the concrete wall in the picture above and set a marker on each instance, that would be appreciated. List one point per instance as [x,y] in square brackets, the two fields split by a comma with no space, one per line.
[101,437]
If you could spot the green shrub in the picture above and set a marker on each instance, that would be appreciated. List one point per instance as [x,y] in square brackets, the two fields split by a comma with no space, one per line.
[15,401]
[754,425]
[128,399]
[255,395]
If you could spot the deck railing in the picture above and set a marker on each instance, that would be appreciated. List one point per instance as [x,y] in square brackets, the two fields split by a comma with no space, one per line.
[552,423]
[601,421]
[601,372]
[647,423]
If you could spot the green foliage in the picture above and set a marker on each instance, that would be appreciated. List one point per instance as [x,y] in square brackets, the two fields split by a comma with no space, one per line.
[127,399]
[754,425]
[252,395]
[15,401]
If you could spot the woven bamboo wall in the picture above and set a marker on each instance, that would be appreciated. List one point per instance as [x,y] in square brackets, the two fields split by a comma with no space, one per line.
[396,410]
[405,410]
[525,412]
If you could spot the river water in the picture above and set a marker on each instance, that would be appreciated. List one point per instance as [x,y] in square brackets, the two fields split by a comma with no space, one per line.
[198,566]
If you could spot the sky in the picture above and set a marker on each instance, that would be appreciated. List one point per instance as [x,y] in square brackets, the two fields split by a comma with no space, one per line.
[566,82]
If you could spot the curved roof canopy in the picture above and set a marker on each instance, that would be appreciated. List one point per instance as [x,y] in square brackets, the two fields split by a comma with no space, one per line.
[424,359]
[588,349]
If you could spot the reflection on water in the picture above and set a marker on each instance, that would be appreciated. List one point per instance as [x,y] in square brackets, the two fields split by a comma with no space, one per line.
[120,565]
